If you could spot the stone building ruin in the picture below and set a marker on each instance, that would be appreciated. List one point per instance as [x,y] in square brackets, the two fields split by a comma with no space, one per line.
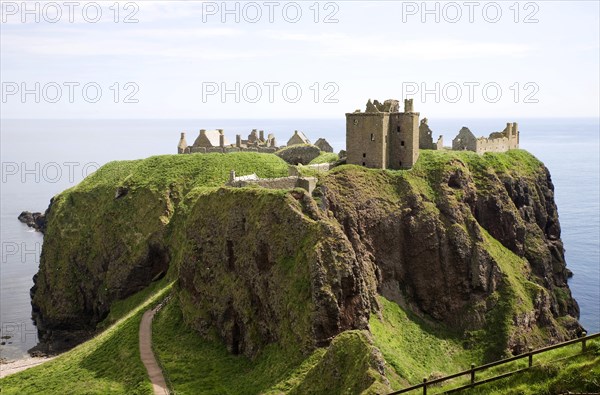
[496,142]
[298,138]
[323,145]
[426,137]
[382,137]
[216,141]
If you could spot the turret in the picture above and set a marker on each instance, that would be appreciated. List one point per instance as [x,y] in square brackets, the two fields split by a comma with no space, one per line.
[182,146]
[221,138]
[408,105]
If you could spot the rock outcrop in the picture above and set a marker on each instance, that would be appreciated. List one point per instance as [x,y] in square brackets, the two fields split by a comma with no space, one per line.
[36,221]
[459,242]
[299,154]
[268,268]
[468,242]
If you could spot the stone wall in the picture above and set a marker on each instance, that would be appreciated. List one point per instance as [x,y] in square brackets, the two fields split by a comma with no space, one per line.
[307,183]
[484,145]
[225,150]
[496,142]
[465,140]
[366,139]
[440,143]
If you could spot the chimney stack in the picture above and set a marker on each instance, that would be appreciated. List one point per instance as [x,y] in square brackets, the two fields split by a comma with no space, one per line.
[221,138]
[182,146]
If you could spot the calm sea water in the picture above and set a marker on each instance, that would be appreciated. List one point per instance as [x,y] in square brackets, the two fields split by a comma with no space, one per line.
[43,157]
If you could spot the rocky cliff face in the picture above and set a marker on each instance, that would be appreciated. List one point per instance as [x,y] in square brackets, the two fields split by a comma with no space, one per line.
[468,242]
[264,267]
[465,241]
[105,239]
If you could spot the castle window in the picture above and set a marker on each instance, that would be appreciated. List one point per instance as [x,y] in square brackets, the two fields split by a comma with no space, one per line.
[398,129]
[400,163]
[364,155]
[372,136]
[402,143]
[356,122]
[364,164]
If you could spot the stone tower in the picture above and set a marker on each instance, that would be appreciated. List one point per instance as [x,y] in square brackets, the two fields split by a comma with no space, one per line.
[182,146]
[382,137]
[404,138]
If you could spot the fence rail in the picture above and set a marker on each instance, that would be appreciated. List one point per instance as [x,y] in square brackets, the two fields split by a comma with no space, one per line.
[471,372]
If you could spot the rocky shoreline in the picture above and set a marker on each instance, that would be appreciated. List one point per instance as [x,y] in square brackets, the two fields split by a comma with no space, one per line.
[36,221]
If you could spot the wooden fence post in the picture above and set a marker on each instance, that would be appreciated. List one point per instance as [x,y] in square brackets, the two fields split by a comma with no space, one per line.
[472,375]
[530,356]
[583,345]
[424,385]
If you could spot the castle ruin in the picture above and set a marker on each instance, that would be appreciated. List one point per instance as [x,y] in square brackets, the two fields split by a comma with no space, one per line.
[426,137]
[215,141]
[383,137]
[496,142]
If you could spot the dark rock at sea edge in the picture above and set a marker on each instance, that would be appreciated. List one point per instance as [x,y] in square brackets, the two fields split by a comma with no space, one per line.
[33,220]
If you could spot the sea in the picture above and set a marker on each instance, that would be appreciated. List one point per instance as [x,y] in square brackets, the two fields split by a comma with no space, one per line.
[40,158]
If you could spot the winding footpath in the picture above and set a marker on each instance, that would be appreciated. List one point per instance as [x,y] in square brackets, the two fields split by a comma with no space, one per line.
[157,379]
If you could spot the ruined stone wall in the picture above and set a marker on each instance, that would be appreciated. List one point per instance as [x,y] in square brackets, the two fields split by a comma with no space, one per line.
[464,141]
[225,150]
[484,145]
[366,139]
[403,140]
[440,143]
[496,142]
[307,183]
[425,136]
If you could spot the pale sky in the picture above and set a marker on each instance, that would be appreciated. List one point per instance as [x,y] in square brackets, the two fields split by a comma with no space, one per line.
[176,58]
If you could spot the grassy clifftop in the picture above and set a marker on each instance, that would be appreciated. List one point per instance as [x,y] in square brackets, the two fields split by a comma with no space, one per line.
[105,237]
[377,280]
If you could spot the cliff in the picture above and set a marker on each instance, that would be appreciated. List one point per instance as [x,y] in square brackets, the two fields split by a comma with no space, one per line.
[105,238]
[465,243]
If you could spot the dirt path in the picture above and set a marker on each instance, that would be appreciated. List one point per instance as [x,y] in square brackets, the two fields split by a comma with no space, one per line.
[154,372]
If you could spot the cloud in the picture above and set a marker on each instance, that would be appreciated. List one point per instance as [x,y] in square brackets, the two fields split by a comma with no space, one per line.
[344,45]
[190,43]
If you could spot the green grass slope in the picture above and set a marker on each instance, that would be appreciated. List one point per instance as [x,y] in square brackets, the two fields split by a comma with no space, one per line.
[198,366]
[324,157]
[108,364]
[162,196]
[100,247]
[414,349]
